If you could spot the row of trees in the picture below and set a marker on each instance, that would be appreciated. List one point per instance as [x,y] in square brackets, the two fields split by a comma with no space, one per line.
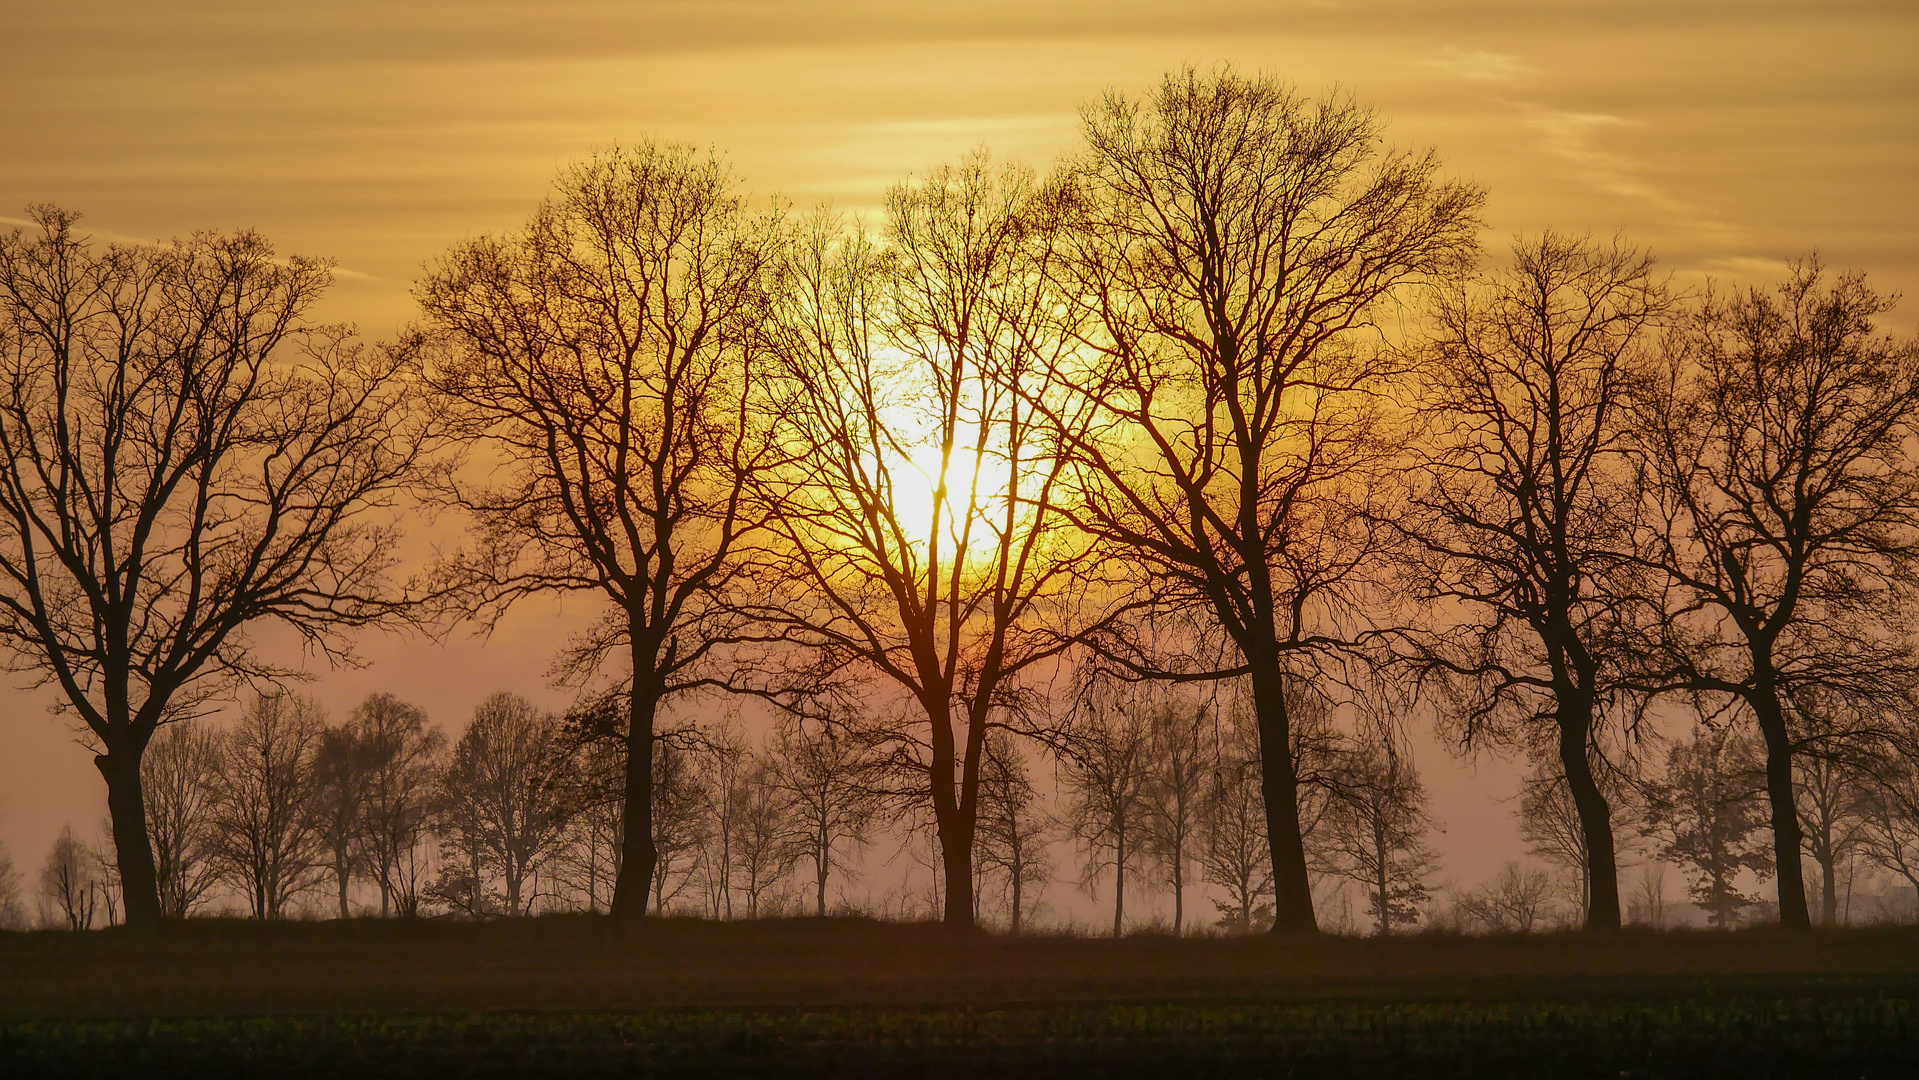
[1156,794]
[1229,399]
[520,814]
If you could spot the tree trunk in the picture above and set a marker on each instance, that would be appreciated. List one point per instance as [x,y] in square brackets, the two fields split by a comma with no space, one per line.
[1119,879]
[951,820]
[340,872]
[956,860]
[132,851]
[1595,818]
[1828,892]
[1381,896]
[638,853]
[820,867]
[1179,898]
[1016,876]
[1793,914]
[1292,889]
[473,860]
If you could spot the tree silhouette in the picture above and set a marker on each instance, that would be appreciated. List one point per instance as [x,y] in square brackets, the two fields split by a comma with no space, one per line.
[189,459]
[1777,444]
[1376,830]
[266,828]
[1014,829]
[1706,809]
[1179,763]
[404,758]
[821,768]
[506,798]
[1527,521]
[178,773]
[922,545]
[1236,245]
[1104,774]
[67,882]
[341,763]
[605,354]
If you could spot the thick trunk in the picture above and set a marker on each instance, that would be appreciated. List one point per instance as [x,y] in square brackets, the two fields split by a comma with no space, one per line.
[1595,817]
[638,853]
[1119,881]
[956,858]
[1786,841]
[955,817]
[340,875]
[132,851]
[1292,889]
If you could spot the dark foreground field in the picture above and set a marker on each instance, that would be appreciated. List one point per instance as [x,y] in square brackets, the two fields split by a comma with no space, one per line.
[567,998]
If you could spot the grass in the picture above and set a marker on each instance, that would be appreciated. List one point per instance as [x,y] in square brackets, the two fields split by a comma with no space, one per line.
[791,998]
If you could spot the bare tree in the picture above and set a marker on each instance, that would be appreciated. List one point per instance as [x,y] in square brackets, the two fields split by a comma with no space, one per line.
[179,773]
[403,767]
[68,886]
[1647,906]
[1888,825]
[725,762]
[920,535]
[1014,830]
[1705,810]
[1178,765]
[505,789]
[13,912]
[1236,856]
[1236,249]
[763,846]
[680,823]
[832,808]
[1376,832]
[340,767]
[1525,527]
[1787,500]
[1513,902]
[189,459]
[266,838]
[605,354]
[1104,774]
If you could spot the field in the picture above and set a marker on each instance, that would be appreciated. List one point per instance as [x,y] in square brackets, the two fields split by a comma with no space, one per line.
[567,997]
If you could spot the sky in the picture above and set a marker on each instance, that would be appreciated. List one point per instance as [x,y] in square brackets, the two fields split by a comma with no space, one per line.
[1726,137]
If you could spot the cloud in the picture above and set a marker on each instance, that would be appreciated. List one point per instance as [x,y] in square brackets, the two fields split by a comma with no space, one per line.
[1574,137]
[1478,66]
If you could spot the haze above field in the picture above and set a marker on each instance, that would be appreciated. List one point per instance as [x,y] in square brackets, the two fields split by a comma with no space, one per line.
[1726,137]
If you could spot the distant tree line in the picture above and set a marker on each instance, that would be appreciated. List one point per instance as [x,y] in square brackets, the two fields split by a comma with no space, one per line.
[1230,405]
[1156,794]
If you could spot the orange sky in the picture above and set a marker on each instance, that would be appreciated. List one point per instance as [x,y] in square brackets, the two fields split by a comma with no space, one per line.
[1726,136]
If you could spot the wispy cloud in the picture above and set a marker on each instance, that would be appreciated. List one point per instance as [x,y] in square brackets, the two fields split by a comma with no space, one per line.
[1575,137]
[1474,65]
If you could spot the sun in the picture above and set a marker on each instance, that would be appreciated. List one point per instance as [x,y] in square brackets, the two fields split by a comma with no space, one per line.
[973,512]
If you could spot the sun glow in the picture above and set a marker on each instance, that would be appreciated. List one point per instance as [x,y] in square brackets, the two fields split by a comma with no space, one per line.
[973,513]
